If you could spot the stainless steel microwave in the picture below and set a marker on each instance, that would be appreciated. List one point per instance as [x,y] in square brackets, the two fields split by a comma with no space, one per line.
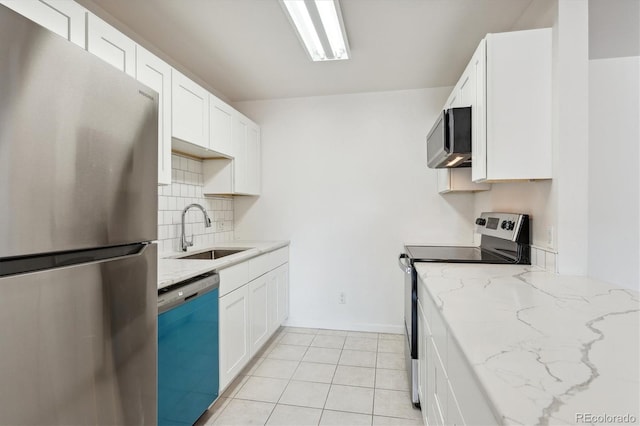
[449,141]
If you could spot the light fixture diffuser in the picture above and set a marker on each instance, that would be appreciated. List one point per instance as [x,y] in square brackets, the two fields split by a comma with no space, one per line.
[319,26]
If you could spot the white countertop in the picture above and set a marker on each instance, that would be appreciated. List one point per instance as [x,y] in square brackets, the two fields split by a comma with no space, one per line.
[172,270]
[545,347]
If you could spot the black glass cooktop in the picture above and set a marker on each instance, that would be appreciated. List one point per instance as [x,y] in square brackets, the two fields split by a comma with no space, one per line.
[453,254]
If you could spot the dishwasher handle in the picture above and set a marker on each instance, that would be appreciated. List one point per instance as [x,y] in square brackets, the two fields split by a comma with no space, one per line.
[187,290]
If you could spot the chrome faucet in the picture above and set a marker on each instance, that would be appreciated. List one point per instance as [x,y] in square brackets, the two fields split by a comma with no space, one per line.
[184,243]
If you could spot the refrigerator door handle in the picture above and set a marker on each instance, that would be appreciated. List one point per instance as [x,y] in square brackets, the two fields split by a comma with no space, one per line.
[39,262]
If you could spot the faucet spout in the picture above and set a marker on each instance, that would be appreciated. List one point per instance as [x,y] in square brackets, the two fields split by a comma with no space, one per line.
[184,242]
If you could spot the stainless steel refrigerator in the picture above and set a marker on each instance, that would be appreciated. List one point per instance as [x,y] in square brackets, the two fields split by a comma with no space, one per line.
[78,214]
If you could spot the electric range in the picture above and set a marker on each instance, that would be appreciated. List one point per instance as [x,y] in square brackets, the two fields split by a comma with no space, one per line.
[505,239]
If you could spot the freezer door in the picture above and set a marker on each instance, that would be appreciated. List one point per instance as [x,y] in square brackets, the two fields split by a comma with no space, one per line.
[79,344]
[78,146]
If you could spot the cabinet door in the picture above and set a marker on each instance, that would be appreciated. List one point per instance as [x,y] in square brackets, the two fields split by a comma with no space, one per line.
[111,45]
[272,301]
[258,312]
[282,279]
[437,387]
[422,361]
[220,127]
[156,74]
[240,161]
[63,17]
[459,180]
[190,111]
[253,159]
[476,71]
[234,334]
[519,104]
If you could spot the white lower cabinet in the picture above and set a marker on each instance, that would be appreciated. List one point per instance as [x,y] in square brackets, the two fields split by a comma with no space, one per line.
[282,293]
[234,334]
[254,302]
[449,392]
[259,312]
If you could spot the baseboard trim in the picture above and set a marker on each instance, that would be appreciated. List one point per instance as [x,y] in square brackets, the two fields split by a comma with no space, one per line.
[352,326]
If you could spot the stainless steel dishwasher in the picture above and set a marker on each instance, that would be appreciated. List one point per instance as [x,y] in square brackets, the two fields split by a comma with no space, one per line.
[188,357]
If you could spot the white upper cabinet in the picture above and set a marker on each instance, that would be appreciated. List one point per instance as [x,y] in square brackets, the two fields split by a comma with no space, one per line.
[464,94]
[476,73]
[190,111]
[459,180]
[111,45]
[220,127]
[516,144]
[253,171]
[63,17]
[156,74]
[240,176]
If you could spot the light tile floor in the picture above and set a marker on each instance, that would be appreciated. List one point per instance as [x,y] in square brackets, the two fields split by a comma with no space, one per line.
[307,376]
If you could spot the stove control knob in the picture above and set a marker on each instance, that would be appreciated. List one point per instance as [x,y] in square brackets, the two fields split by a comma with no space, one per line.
[480,221]
[504,224]
[510,225]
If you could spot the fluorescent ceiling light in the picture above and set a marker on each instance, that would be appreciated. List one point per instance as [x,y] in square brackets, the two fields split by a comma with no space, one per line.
[320,28]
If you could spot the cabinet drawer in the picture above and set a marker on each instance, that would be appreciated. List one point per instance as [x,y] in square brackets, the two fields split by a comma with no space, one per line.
[280,256]
[454,415]
[233,277]
[472,402]
[259,265]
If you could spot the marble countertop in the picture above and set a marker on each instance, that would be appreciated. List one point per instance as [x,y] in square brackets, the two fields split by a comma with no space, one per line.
[172,270]
[545,347]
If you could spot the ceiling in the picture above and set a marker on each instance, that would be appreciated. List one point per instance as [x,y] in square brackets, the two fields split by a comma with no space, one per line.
[247,50]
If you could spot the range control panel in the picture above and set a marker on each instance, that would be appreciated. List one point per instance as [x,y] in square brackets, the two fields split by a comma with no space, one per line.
[502,225]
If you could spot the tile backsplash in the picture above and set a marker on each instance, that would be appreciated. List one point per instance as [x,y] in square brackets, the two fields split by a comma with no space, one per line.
[185,189]
[544,258]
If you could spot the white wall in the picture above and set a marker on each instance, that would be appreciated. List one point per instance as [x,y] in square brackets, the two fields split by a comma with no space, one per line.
[532,198]
[345,179]
[614,142]
[614,179]
[559,208]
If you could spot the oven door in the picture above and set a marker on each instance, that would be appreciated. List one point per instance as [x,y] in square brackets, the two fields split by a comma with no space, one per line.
[410,324]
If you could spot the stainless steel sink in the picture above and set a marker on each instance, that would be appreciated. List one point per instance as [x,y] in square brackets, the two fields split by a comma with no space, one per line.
[214,254]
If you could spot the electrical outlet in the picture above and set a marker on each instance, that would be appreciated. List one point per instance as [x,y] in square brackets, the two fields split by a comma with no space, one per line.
[342,298]
[219,226]
[550,236]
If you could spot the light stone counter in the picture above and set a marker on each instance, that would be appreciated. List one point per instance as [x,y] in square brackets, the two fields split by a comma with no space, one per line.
[172,270]
[544,347]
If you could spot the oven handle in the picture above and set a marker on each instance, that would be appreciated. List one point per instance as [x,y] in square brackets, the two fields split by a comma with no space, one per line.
[406,268]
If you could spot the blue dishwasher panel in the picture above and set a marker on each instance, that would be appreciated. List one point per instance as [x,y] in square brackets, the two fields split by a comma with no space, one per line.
[188,360]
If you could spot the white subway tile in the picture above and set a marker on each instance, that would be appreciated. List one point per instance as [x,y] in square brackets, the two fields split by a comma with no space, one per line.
[171,203]
[540,259]
[162,202]
[184,163]
[550,261]
[534,255]
[168,218]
